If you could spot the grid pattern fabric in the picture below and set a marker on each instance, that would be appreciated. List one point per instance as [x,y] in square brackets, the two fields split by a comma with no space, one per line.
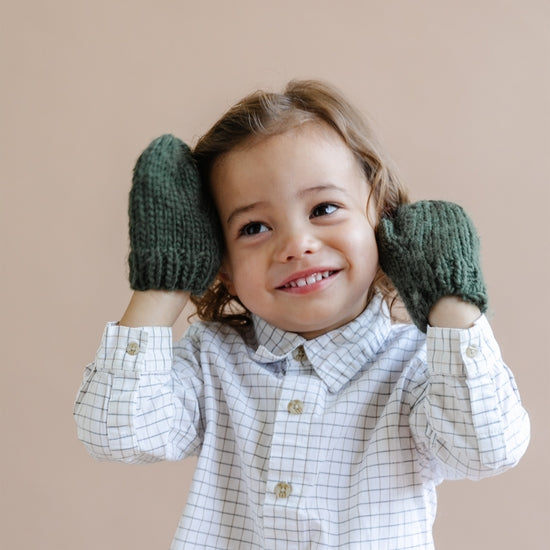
[335,442]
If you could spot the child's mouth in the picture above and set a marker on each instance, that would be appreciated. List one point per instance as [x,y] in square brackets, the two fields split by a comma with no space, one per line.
[308,280]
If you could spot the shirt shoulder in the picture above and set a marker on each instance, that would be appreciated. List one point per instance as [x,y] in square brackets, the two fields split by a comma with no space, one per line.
[405,353]
[215,336]
[405,341]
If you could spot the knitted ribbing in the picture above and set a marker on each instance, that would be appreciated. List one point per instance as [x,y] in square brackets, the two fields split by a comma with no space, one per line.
[430,249]
[174,234]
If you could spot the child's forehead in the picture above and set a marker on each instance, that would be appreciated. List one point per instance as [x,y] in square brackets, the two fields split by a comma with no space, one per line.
[288,160]
[310,130]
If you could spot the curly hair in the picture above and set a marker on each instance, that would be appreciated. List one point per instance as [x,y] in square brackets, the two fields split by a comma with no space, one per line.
[263,114]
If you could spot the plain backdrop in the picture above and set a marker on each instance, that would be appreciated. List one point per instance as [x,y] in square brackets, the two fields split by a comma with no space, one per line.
[459,93]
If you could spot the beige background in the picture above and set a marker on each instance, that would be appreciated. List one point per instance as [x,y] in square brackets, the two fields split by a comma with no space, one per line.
[459,92]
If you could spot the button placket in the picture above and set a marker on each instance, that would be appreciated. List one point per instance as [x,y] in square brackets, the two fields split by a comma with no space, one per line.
[299,354]
[295,407]
[132,348]
[293,460]
[289,461]
[283,489]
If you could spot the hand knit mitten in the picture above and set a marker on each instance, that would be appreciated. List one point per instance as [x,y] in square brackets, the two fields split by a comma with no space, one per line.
[430,249]
[175,242]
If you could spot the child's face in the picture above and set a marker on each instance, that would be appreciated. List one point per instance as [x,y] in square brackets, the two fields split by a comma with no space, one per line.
[301,250]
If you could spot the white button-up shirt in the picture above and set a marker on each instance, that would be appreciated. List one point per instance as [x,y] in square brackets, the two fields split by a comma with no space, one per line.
[335,442]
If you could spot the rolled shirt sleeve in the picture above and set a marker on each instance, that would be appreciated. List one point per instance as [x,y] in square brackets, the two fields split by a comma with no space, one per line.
[469,418]
[133,400]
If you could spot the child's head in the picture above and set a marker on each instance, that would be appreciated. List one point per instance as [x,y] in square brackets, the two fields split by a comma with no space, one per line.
[311,119]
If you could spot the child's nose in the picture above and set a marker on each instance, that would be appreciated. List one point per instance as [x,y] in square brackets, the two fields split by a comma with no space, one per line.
[296,244]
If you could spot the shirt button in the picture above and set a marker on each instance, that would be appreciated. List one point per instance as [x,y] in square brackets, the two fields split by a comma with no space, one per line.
[132,348]
[296,407]
[471,351]
[300,354]
[283,490]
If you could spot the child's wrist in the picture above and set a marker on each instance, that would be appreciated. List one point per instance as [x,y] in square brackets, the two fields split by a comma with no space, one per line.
[154,308]
[453,312]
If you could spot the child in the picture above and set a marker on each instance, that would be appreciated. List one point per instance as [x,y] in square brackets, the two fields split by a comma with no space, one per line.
[319,419]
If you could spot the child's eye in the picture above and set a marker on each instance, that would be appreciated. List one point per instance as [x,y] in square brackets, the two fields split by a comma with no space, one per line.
[324,209]
[253,228]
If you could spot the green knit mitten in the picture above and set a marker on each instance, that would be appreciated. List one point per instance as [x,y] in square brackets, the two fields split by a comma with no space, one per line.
[174,234]
[430,249]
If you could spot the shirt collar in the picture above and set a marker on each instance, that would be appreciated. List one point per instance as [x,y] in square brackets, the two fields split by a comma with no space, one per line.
[336,356]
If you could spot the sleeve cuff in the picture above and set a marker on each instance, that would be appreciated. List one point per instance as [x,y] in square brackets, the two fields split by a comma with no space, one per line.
[135,349]
[462,352]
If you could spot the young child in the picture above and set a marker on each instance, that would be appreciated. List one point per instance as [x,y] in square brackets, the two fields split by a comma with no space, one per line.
[319,419]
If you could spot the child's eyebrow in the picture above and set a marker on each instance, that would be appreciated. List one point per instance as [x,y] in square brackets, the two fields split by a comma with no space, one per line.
[309,190]
[243,210]
[322,187]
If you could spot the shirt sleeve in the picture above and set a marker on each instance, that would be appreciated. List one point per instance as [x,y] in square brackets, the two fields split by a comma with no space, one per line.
[133,404]
[469,420]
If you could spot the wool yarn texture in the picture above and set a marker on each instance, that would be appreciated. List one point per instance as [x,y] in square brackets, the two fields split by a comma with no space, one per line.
[430,249]
[174,233]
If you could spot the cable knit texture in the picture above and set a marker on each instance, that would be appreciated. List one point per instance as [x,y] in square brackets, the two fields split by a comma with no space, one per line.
[430,249]
[174,233]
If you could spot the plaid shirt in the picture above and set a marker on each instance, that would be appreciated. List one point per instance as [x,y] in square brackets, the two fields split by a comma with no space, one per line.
[335,442]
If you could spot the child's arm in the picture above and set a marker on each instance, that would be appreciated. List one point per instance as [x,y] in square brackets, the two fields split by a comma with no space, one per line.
[453,312]
[174,237]
[160,308]
[138,403]
[467,419]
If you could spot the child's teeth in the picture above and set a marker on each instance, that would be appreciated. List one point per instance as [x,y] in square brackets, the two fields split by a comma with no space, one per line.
[309,280]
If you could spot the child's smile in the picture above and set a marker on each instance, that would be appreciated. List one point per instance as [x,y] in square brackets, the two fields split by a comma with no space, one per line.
[307,282]
[301,251]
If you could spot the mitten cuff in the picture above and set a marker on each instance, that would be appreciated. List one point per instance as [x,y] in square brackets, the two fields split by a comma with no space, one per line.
[445,281]
[172,270]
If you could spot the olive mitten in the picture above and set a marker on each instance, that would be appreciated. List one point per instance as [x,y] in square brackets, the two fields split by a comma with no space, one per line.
[430,249]
[175,241]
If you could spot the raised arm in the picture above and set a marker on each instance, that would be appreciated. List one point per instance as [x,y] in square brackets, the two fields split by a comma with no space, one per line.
[174,241]
[468,418]
[133,402]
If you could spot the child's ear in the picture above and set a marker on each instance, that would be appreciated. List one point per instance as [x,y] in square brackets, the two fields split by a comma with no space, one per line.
[225,276]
